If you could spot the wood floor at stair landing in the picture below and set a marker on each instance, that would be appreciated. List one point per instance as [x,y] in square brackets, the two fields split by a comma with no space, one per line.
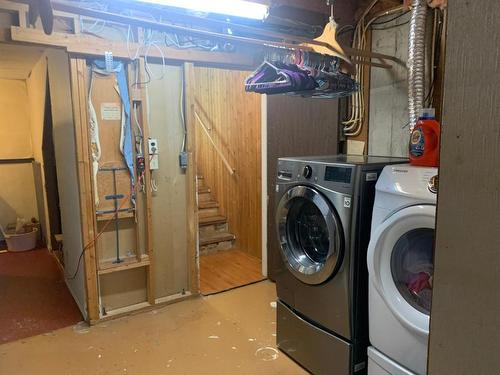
[228,269]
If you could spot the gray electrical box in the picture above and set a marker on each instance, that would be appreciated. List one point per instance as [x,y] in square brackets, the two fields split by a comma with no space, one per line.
[183,160]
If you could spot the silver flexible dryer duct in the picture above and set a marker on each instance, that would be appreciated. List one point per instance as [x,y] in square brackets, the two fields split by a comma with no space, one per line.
[416,60]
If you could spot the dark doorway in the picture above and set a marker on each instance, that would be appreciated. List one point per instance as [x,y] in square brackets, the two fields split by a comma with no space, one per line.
[49,166]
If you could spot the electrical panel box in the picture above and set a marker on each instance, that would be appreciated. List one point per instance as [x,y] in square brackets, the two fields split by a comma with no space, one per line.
[183,160]
[153,153]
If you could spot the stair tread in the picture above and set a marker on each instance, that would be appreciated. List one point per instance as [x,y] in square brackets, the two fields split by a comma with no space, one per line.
[209,220]
[203,189]
[210,238]
[208,204]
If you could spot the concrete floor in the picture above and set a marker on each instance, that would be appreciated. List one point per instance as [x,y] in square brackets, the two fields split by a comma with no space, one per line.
[228,333]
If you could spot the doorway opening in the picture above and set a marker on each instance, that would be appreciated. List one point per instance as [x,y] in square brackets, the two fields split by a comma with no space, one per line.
[35,297]
[229,189]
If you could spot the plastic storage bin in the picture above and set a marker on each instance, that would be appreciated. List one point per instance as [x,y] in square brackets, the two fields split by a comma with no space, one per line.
[22,241]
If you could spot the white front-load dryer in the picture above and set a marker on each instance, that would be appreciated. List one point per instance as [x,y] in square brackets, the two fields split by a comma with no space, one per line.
[400,266]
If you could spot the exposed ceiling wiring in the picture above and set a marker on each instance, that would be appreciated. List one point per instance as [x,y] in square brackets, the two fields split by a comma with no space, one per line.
[353,125]
[391,19]
[392,26]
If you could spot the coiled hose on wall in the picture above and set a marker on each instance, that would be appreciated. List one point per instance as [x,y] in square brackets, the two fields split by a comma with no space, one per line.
[416,60]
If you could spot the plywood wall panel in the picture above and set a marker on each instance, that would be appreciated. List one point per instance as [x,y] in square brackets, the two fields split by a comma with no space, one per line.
[107,240]
[121,289]
[295,127]
[465,316]
[169,202]
[103,95]
[234,117]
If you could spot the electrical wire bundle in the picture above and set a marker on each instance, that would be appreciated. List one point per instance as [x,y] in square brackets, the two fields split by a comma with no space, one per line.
[353,125]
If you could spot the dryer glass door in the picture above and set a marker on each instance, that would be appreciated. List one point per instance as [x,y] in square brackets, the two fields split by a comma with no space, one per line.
[400,264]
[412,267]
[310,235]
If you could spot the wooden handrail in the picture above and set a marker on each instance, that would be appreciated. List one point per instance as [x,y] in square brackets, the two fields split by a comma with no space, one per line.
[231,170]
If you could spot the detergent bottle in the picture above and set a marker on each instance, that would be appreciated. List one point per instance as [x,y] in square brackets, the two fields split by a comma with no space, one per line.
[424,140]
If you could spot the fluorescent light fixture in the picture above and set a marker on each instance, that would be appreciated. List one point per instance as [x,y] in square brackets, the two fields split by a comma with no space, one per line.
[237,8]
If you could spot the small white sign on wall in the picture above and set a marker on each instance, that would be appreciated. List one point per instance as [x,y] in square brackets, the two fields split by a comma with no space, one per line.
[111,111]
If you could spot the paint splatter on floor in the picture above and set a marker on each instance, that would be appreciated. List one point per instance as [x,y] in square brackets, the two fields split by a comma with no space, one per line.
[267,353]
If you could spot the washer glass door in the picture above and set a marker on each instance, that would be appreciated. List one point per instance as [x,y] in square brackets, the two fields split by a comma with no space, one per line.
[310,234]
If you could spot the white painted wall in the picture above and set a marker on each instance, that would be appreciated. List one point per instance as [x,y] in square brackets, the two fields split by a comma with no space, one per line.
[14,120]
[36,87]
[17,188]
[17,193]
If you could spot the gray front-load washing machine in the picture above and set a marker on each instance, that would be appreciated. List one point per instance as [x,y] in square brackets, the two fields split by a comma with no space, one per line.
[323,218]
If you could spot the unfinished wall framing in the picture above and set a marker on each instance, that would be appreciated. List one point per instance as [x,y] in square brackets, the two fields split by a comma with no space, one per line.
[115,287]
[143,280]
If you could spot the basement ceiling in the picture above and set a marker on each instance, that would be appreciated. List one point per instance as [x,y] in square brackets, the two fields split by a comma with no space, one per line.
[16,62]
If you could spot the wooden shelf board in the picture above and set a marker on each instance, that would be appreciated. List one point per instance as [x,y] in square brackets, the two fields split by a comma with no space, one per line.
[127,264]
[121,215]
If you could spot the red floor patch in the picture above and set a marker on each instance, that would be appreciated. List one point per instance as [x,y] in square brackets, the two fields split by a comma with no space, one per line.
[34,298]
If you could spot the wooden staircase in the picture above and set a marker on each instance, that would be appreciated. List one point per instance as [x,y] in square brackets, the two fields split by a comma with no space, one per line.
[212,226]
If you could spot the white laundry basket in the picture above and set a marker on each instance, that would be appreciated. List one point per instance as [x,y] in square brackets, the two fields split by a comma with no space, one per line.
[22,241]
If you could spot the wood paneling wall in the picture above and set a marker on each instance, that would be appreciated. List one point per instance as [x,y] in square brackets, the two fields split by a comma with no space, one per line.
[465,316]
[295,127]
[235,120]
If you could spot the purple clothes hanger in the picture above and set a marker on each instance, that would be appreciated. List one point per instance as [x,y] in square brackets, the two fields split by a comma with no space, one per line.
[283,78]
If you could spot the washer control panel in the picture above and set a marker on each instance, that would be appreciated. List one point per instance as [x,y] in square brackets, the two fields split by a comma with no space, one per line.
[307,172]
[338,177]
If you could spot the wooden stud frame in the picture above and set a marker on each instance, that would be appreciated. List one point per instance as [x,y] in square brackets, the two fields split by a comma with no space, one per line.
[79,80]
[89,225]
[139,98]
[192,206]
[21,10]
[93,46]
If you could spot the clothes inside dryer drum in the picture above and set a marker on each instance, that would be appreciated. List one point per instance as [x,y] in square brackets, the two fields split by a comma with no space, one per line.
[412,267]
